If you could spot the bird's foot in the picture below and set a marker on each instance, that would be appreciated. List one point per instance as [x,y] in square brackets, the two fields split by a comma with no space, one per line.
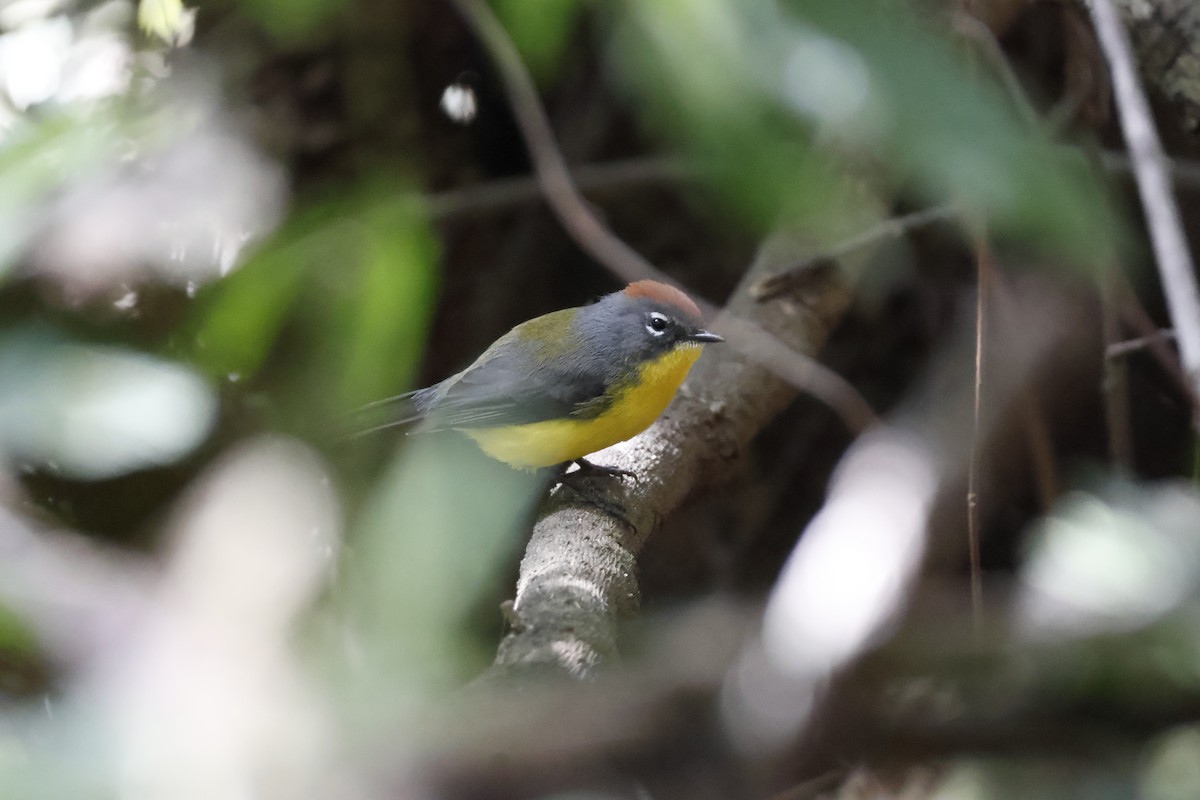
[576,483]
[588,469]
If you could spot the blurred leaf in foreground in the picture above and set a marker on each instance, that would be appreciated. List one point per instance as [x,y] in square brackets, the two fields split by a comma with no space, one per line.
[438,527]
[293,20]
[1113,562]
[1172,769]
[383,303]
[161,187]
[788,96]
[195,692]
[698,81]
[542,31]
[358,273]
[16,638]
[37,159]
[95,412]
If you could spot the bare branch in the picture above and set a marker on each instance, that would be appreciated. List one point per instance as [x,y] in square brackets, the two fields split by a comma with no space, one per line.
[1135,317]
[1185,173]
[1116,379]
[795,276]
[553,175]
[983,287]
[1119,349]
[588,178]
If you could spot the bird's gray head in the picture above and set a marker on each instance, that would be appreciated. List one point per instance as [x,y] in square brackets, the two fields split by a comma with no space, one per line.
[642,322]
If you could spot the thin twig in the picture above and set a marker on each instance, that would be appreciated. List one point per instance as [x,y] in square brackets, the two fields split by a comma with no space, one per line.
[1162,215]
[985,270]
[1120,349]
[594,238]
[793,277]
[1138,319]
[1116,378]
[1185,173]
[553,175]
[506,192]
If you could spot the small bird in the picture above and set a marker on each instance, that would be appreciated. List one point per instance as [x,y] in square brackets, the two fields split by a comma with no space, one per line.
[571,382]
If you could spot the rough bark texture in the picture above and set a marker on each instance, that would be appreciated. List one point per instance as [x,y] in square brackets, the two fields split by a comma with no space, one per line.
[1166,36]
[578,576]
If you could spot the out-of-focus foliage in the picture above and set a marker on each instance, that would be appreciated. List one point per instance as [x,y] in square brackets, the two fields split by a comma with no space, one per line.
[112,171]
[294,21]
[361,270]
[423,555]
[159,185]
[783,100]
[15,635]
[999,778]
[1172,768]
[542,31]
[37,159]
[204,243]
[93,412]
[1115,563]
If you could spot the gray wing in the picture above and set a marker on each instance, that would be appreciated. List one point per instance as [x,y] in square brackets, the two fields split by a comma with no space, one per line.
[511,384]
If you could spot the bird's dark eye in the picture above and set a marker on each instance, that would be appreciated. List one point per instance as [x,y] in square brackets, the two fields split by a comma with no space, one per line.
[656,323]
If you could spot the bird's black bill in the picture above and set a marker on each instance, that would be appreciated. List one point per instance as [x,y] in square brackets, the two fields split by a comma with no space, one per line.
[704,336]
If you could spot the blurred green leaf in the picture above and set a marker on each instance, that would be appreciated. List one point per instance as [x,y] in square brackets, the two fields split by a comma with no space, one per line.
[16,638]
[240,316]
[436,531]
[384,303]
[828,85]
[358,270]
[1172,771]
[1115,561]
[541,30]
[95,412]
[755,155]
[291,20]
[959,139]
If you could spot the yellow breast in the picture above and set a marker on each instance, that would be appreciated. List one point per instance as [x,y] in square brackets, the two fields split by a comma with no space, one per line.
[638,404]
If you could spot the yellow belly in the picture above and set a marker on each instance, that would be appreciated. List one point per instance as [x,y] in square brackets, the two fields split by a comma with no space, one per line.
[544,444]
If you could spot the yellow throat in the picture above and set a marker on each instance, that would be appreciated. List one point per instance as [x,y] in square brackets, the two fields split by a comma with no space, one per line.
[636,405]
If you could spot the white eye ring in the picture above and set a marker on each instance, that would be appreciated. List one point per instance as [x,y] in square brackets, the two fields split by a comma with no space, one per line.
[658,323]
